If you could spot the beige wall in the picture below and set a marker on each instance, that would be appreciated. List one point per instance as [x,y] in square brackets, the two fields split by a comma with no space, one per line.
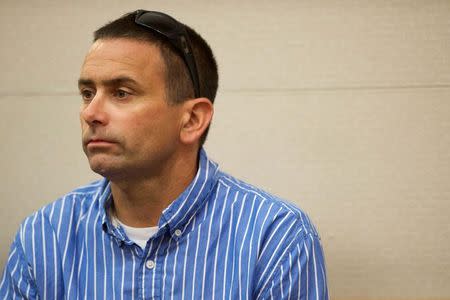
[340,106]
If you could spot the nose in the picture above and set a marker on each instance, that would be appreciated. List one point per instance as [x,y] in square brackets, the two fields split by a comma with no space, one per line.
[94,112]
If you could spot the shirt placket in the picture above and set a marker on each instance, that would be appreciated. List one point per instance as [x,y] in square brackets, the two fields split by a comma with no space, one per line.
[151,268]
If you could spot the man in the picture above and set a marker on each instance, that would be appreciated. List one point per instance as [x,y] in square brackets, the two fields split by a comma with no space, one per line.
[164,222]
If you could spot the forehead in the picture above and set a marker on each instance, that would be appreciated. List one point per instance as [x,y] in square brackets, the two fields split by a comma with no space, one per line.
[122,57]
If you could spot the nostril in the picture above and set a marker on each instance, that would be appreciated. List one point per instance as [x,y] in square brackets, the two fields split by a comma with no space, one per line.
[93,113]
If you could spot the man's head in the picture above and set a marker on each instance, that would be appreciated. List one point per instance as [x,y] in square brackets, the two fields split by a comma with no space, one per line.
[179,82]
[139,112]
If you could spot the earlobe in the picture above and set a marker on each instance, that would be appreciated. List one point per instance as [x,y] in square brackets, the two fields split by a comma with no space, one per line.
[197,117]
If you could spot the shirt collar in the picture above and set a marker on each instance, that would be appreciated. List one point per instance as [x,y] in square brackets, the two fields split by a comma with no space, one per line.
[109,224]
[180,211]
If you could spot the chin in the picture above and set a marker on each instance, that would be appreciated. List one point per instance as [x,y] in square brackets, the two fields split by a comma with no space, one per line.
[109,171]
[99,170]
[101,166]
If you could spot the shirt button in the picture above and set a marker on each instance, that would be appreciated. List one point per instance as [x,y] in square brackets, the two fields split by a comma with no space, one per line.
[178,232]
[150,264]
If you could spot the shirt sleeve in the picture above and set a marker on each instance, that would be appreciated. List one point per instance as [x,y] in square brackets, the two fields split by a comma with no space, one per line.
[300,272]
[17,282]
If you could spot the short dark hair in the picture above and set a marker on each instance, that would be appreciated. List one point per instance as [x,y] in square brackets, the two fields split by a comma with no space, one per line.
[179,86]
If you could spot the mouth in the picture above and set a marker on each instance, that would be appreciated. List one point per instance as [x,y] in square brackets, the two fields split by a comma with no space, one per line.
[99,143]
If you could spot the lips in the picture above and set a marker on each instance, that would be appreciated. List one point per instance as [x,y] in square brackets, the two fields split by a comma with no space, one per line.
[98,141]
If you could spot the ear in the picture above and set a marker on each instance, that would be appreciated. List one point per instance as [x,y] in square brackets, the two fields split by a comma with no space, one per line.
[197,116]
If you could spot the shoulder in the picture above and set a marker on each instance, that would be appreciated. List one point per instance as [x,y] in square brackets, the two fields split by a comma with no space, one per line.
[279,214]
[78,201]
[65,212]
[289,253]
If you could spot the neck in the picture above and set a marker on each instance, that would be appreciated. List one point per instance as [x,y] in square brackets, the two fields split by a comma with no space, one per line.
[139,202]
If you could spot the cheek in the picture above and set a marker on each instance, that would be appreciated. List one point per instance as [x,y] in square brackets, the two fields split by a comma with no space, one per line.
[141,129]
[149,121]
[156,125]
[83,126]
[81,119]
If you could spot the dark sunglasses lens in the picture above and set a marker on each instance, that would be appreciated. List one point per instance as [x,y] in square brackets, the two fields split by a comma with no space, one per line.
[161,23]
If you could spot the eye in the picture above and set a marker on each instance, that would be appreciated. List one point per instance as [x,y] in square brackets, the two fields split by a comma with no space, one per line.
[87,94]
[121,94]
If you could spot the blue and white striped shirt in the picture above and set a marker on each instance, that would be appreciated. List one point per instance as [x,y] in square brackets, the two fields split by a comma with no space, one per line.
[220,239]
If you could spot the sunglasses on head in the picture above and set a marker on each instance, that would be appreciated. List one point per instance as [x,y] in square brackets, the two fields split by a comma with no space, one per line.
[175,32]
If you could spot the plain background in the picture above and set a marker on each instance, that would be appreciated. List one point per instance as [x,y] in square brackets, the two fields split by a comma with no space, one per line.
[342,107]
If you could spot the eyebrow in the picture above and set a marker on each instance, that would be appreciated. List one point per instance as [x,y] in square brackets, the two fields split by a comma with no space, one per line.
[108,82]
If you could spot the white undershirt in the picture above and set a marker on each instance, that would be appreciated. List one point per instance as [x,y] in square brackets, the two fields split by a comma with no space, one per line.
[138,235]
